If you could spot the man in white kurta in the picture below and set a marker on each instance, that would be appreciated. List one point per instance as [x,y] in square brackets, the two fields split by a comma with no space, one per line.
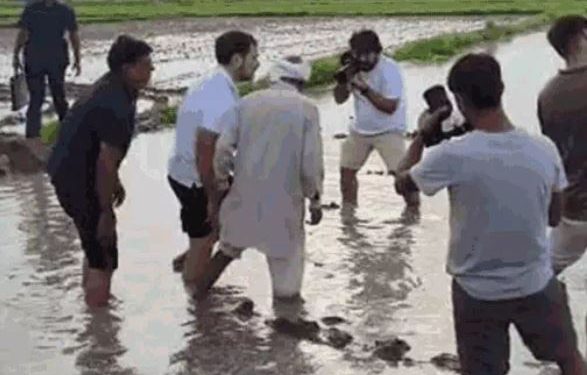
[273,146]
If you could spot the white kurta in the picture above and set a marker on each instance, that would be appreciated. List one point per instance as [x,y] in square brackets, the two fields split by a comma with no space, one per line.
[278,163]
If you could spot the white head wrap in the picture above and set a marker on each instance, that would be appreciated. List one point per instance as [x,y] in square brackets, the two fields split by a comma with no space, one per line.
[285,69]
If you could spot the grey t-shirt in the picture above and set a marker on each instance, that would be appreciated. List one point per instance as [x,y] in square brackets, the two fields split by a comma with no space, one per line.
[500,186]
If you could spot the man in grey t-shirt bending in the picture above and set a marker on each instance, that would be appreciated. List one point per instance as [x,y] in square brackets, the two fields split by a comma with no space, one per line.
[504,188]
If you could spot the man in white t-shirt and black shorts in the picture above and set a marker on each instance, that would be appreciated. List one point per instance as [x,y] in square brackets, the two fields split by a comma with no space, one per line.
[191,172]
[380,113]
[505,188]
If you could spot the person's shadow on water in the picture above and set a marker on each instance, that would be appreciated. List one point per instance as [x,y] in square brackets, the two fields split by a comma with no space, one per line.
[100,349]
[220,341]
[383,264]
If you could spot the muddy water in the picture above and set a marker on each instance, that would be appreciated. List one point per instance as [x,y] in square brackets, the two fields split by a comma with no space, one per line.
[382,272]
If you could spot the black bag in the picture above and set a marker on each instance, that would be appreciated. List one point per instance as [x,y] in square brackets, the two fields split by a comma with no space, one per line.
[19,93]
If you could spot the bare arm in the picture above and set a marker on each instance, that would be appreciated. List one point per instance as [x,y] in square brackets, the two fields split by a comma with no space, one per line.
[21,39]
[404,183]
[555,209]
[75,43]
[107,180]
[380,102]
[224,156]
[206,147]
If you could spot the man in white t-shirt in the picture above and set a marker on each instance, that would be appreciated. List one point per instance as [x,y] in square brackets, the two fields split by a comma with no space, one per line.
[380,113]
[191,172]
[504,187]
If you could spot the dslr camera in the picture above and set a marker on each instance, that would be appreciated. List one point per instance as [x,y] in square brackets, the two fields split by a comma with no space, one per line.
[436,97]
[349,67]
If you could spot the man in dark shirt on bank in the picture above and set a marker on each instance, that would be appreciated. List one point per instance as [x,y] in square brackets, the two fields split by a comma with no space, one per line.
[42,27]
[93,140]
[562,110]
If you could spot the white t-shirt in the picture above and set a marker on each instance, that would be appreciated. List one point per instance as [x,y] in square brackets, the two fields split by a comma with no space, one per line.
[386,80]
[500,186]
[203,105]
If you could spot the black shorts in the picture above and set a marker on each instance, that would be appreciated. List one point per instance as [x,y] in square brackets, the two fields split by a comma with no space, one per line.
[194,209]
[543,320]
[85,213]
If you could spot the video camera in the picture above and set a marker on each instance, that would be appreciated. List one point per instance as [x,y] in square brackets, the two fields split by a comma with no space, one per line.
[349,67]
[436,97]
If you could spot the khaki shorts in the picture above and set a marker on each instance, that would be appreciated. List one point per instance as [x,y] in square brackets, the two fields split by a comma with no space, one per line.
[356,149]
[568,242]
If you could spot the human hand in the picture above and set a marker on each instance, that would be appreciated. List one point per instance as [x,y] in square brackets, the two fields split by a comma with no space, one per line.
[16,64]
[119,195]
[77,67]
[359,84]
[430,124]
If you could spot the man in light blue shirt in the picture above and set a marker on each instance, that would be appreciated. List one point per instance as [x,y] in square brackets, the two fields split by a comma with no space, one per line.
[504,187]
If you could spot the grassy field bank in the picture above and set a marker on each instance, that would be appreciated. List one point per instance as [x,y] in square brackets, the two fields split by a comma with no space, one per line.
[90,11]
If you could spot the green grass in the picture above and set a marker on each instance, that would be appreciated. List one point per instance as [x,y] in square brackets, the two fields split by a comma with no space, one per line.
[114,11]
[169,115]
[49,132]
[444,47]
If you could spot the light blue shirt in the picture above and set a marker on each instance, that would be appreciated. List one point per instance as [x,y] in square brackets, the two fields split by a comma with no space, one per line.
[500,187]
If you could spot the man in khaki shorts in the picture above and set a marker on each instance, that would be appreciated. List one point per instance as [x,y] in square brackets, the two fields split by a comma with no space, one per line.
[380,113]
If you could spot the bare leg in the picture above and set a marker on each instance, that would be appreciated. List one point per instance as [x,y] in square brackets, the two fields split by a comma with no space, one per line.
[96,285]
[349,186]
[215,268]
[197,258]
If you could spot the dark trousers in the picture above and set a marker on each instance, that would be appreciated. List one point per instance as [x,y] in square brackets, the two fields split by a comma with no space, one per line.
[543,320]
[36,81]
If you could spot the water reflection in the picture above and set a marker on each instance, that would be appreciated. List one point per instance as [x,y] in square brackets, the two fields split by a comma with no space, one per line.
[100,347]
[218,341]
[51,240]
[382,262]
[49,247]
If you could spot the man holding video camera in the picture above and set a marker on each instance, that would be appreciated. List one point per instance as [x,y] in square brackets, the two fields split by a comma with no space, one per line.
[504,187]
[380,113]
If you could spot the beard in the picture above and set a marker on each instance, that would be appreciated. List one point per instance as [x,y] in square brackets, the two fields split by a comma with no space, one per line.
[367,67]
[245,75]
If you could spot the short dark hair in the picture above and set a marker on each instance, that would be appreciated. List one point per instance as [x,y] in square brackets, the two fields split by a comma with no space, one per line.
[563,31]
[231,43]
[126,50]
[477,77]
[365,41]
